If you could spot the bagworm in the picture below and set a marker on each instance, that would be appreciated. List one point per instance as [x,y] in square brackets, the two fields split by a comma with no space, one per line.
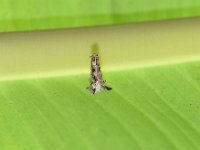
[97,84]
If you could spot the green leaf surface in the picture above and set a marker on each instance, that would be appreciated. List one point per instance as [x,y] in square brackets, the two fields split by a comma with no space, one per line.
[23,15]
[148,108]
[154,103]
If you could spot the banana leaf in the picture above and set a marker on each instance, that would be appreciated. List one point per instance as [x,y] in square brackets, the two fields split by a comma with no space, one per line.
[153,68]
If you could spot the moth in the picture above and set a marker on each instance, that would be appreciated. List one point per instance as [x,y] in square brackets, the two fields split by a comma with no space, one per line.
[97,84]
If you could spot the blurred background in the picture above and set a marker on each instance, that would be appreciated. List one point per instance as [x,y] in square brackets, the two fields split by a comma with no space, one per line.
[129,33]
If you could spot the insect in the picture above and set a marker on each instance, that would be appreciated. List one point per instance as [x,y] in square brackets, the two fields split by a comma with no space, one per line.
[97,84]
